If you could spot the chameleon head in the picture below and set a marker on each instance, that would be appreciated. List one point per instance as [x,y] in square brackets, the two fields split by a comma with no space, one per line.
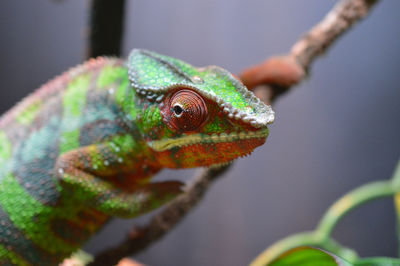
[195,116]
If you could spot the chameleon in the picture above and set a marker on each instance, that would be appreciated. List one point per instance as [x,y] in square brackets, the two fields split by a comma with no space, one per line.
[83,147]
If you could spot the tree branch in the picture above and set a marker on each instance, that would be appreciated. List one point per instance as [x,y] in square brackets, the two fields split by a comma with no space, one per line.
[335,23]
[276,75]
[281,73]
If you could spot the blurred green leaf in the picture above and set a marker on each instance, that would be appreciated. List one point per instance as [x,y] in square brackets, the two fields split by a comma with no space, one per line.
[378,261]
[396,183]
[308,256]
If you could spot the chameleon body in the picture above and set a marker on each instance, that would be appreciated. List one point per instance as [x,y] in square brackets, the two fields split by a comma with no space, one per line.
[83,147]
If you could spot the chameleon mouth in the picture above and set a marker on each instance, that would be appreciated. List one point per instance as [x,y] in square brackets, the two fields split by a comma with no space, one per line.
[167,144]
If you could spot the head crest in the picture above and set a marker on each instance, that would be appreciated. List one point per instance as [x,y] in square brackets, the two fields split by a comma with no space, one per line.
[153,74]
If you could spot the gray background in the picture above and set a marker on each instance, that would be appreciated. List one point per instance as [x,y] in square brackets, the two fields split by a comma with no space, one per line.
[337,130]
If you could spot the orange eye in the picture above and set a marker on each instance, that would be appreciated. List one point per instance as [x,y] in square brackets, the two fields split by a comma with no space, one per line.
[188,110]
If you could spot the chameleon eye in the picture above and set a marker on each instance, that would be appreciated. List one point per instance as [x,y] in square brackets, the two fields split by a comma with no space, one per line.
[188,110]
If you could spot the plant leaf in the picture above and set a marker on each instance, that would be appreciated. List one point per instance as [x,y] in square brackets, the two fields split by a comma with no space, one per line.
[308,256]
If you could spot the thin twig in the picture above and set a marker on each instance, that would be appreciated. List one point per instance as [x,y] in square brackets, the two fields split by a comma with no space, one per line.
[303,53]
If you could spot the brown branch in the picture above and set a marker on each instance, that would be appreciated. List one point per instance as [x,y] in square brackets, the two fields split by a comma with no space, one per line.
[277,75]
[281,73]
[335,23]
[105,27]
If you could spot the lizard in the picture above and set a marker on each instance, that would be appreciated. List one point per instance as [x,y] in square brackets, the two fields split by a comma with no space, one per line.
[83,147]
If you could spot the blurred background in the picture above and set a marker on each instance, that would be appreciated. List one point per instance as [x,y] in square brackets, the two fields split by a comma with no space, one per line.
[339,129]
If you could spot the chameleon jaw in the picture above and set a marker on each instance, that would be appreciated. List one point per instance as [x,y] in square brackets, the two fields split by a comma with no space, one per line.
[186,140]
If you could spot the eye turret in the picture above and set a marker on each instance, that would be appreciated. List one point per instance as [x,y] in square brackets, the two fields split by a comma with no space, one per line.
[188,111]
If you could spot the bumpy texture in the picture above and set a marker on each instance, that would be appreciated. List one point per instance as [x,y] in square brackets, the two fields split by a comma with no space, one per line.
[84,146]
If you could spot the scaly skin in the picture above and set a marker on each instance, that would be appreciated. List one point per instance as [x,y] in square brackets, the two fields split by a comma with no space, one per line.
[84,146]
